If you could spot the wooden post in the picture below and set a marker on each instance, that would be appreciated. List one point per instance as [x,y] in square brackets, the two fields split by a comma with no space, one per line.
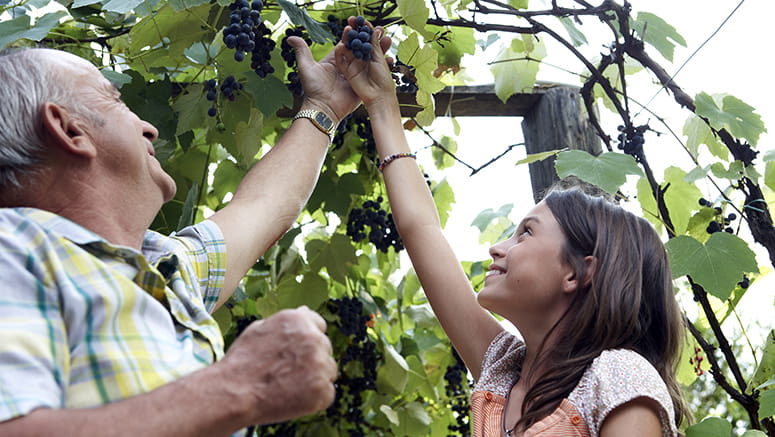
[557,121]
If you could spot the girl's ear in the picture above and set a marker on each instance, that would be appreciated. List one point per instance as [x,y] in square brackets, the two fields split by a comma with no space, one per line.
[65,131]
[571,281]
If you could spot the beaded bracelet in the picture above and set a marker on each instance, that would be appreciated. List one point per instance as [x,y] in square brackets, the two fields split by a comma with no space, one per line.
[395,156]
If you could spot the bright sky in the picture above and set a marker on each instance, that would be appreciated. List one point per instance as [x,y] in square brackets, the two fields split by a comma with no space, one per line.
[736,61]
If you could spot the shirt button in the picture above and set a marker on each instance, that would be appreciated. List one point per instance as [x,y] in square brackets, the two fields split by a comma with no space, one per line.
[488,396]
[575,419]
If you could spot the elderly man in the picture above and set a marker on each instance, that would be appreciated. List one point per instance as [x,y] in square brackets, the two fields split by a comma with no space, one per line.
[105,327]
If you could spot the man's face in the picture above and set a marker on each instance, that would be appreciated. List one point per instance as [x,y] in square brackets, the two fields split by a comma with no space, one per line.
[123,141]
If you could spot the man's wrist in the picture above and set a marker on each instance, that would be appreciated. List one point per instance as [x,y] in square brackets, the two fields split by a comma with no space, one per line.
[321,119]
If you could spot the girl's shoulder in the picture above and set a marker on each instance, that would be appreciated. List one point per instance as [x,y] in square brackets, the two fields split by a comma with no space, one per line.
[616,377]
[501,364]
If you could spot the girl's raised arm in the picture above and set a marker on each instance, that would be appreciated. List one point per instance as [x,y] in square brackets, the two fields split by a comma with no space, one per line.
[469,326]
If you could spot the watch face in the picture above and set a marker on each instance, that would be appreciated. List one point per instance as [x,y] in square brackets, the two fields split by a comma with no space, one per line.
[324,121]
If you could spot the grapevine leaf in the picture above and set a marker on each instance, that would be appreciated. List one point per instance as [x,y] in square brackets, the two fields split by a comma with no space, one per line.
[769,169]
[390,413]
[312,291]
[698,132]
[484,218]
[607,170]
[648,203]
[270,93]
[767,403]
[766,370]
[121,6]
[151,102]
[336,256]
[518,4]
[535,157]
[414,420]
[20,28]
[631,67]
[414,13]
[697,173]
[718,265]
[442,157]
[575,34]
[730,113]
[226,178]
[491,39]
[191,107]
[318,32]
[428,114]
[680,198]
[734,172]
[116,78]
[425,61]
[458,42]
[754,432]
[497,231]
[182,5]
[443,197]
[187,214]
[656,32]
[247,137]
[710,427]
[514,73]
[393,375]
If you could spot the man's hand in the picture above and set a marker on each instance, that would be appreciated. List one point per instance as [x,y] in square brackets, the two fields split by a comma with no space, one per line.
[282,366]
[324,87]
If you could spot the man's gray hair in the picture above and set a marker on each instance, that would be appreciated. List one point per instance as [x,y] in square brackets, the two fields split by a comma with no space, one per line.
[27,82]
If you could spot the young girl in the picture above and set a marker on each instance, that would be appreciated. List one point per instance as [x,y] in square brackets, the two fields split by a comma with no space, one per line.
[586,283]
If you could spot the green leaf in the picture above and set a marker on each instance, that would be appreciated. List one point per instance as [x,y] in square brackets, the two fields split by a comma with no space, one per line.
[336,256]
[697,133]
[730,113]
[656,32]
[428,113]
[174,30]
[767,404]
[519,4]
[718,265]
[512,72]
[576,37]
[151,102]
[648,204]
[247,137]
[270,93]
[710,427]
[443,197]
[20,28]
[226,178]
[182,5]
[442,157]
[607,170]
[390,413]
[121,6]
[484,218]
[415,13]
[318,32]
[680,198]
[424,60]
[191,107]
[458,41]
[187,215]
[118,79]
[766,370]
[394,374]
[540,156]
[312,291]
[754,432]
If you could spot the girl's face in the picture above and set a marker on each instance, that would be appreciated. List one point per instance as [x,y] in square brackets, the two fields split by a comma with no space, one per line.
[529,282]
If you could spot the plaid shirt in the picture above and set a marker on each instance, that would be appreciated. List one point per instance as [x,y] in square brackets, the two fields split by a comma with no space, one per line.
[84,323]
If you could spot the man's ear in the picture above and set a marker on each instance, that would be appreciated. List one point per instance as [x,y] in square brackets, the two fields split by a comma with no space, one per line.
[571,281]
[66,131]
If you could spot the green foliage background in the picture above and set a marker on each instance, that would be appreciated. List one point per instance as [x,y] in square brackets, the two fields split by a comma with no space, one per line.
[161,51]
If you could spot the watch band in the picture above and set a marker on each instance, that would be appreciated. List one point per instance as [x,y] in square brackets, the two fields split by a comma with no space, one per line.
[320,120]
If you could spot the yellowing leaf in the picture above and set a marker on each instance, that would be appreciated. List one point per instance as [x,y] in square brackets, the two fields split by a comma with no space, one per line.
[415,13]
[513,73]
[698,132]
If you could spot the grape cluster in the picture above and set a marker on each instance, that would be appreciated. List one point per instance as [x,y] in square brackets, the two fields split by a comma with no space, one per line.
[240,33]
[230,88]
[719,222]
[287,53]
[283,429]
[357,357]
[745,283]
[457,391]
[358,39]
[631,140]
[362,128]
[336,26]
[382,233]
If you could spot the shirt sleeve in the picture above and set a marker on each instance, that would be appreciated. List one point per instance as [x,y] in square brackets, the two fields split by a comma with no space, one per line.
[615,378]
[33,351]
[207,248]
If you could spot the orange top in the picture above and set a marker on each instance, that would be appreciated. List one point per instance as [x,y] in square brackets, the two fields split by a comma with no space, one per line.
[615,377]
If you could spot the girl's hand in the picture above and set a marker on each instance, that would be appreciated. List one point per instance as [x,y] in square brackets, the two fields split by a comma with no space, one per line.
[371,79]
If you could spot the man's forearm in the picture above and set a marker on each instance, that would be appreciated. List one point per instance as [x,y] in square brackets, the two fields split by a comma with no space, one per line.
[200,404]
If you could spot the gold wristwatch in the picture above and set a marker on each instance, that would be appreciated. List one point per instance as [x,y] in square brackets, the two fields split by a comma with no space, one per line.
[320,120]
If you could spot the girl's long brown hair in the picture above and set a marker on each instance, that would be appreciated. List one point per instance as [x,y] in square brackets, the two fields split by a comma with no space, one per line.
[627,303]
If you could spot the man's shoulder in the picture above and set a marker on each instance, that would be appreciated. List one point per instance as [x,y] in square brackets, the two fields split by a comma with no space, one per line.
[37,224]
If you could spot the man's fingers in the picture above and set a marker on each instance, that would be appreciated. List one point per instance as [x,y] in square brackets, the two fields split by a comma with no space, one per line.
[303,54]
